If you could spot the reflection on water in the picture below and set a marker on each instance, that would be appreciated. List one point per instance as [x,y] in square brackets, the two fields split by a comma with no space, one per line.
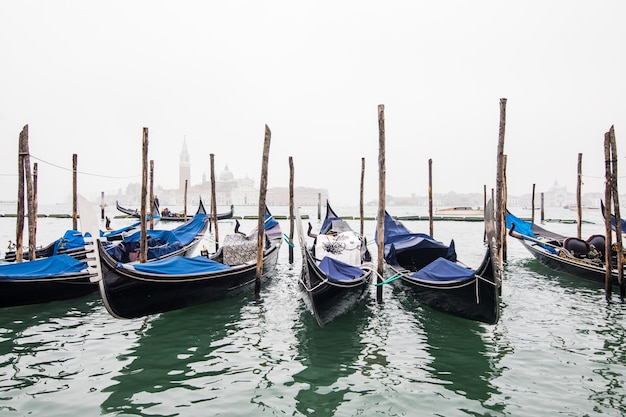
[328,354]
[558,349]
[174,352]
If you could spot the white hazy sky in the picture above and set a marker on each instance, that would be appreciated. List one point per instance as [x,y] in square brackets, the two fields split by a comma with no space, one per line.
[87,76]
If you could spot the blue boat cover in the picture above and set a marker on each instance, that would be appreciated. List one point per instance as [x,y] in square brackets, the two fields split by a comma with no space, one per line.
[184,233]
[72,239]
[525,228]
[41,268]
[399,238]
[119,231]
[337,270]
[177,265]
[521,226]
[443,270]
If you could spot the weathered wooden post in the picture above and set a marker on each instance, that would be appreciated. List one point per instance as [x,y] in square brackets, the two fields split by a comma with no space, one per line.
[381,201]
[499,179]
[430,198]
[143,252]
[19,224]
[579,206]
[32,204]
[608,275]
[102,205]
[74,191]
[262,210]
[185,200]
[361,199]
[151,194]
[319,206]
[618,216]
[291,209]
[213,201]
[532,206]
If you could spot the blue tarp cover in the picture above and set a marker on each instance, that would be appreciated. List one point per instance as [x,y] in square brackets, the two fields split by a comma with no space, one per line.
[521,226]
[399,238]
[120,230]
[443,270]
[177,265]
[184,233]
[337,270]
[41,268]
[72,239]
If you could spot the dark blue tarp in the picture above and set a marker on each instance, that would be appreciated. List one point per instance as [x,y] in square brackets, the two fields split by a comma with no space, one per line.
[443,270]
[72,239]
[120,230]
[41,268]
[337,270]
[160,242]
[178,265]
[184,233]
[398,238]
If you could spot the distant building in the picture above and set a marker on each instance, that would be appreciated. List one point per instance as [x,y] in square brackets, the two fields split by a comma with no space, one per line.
[184,168]
[232,191]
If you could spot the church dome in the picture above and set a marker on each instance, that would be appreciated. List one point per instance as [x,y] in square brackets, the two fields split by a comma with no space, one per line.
[226,175]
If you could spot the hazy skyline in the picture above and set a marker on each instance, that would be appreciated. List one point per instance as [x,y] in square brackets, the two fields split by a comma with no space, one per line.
[87,77]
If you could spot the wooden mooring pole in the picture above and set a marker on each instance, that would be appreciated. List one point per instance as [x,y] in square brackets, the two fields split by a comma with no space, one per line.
[214,201]
[618,234]
[143,252]
[381,202]
[608,275]
[291,209]
[262,210]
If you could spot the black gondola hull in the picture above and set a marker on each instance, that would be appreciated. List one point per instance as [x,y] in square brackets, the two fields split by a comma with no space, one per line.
[476,298]
[130,294]
[329,300]
[576,267]
[43,290]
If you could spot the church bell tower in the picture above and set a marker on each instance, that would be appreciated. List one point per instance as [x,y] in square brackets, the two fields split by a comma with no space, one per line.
[184,167]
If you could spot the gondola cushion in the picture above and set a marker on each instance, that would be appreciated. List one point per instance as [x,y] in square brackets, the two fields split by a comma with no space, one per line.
[344,246]
[239,249]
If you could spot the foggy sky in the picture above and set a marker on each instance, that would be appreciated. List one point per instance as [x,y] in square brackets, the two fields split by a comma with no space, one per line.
[88,76]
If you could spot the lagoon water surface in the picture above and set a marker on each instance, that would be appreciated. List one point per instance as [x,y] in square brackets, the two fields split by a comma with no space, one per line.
[558,348]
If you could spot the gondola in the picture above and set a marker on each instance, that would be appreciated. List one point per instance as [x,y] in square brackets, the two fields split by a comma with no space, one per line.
[58,277]
[168,216]
[141,289]
[430,270]
[71,243]
[581,258]
[336,267]
[162,243]
[52,278]
[136,213]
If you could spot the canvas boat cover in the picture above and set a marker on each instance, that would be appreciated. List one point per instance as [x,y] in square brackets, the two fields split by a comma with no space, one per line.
[184,233]
[72,239]
[398,238]
[177,265]
[530,230]
[443,270]
[344,246]
[42,268]
[120,230]
[337,270]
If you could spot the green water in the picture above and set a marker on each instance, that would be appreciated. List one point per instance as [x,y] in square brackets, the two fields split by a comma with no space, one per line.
[557,350]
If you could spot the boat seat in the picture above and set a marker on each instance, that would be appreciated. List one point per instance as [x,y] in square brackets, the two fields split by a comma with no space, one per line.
[598,241]
[577,247]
